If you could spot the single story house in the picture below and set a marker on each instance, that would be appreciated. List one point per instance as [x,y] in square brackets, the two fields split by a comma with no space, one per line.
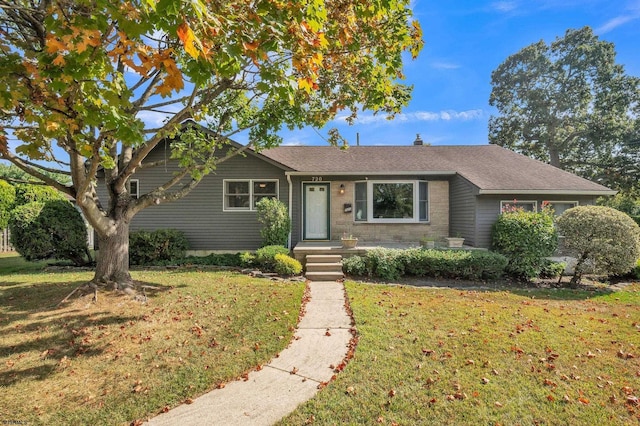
[375,193]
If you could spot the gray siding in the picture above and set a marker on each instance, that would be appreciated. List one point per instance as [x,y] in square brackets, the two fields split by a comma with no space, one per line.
[200,214]
[462,211]
[488,209]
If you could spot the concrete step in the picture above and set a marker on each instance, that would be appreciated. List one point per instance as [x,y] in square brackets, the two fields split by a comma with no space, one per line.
[324,276]
[324,267]
[323,258]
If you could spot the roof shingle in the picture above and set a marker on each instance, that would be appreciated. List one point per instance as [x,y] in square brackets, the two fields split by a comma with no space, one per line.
[489,167]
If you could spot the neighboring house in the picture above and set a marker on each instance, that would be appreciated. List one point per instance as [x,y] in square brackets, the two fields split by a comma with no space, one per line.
[377,193]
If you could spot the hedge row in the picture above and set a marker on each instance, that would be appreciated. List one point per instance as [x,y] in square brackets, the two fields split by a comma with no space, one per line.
[390,264]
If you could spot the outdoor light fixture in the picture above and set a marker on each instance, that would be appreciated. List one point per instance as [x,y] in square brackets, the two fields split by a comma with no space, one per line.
[341,188]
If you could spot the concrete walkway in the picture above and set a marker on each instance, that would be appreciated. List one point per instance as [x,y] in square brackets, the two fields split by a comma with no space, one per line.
[288,380]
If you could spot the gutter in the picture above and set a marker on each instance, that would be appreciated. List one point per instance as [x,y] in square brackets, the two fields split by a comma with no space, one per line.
[288,175]
[373,173]
[546,192]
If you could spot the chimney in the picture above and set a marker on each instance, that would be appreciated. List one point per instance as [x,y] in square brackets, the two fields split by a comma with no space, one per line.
[418,141]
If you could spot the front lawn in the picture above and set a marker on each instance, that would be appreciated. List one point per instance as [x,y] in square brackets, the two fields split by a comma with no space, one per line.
[120,360]
[450,356]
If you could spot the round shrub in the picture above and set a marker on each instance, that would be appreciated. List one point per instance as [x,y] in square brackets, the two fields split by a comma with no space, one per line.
[26,193]
[605,238]
[276,224]
[287,265]
[525,238]
[161,245]
[266,256]
[51,230]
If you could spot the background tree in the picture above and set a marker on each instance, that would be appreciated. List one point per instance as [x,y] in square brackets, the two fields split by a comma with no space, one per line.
[570,104]
[7,200]
[79,77]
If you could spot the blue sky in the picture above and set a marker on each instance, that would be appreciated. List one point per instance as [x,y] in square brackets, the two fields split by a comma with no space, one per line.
[465,41]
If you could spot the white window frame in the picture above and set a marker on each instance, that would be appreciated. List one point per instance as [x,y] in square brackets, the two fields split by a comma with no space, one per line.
[135,195]
[552,202]
[252,195]
[503,202]
[416,203]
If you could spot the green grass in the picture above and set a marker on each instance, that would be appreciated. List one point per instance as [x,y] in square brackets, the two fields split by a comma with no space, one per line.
[447,356]
[118,360]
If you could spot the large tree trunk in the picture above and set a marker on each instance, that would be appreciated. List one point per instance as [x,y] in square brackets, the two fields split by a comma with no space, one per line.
[112,260]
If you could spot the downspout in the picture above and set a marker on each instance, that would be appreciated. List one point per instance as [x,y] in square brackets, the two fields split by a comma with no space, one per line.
[290,207]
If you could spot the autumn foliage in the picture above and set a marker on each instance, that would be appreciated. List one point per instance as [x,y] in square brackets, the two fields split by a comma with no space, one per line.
[94,87]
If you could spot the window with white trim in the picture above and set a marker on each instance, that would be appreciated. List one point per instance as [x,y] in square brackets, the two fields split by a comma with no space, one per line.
[513,205]
[134,188]
[244,194]
[560,207]
[391,201]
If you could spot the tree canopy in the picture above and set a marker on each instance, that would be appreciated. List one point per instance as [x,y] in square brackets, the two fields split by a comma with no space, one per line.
[83,80]
[570,104]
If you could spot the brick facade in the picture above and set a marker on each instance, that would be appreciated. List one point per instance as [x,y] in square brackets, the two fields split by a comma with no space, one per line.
[343,223]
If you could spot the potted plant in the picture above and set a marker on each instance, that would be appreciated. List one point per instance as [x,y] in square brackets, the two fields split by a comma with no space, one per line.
[428,242]
[455,242]
[349,241]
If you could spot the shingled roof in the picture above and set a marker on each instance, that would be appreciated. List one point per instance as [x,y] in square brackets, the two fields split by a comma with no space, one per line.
[491,168]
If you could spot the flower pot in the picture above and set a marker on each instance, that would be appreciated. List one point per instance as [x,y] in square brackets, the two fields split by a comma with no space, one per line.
[455,242]
[349,243]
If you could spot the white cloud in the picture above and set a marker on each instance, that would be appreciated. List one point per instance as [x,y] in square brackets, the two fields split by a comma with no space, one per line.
[444,65]
[417,116]
[504,6]
[611,24]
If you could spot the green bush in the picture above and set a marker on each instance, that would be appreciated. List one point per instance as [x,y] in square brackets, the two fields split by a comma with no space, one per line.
[276,224]
[525,238]
[551,269]
[247,259]
[354,265]
[51,230]
[605,238]
[386,264]
[7,200]
[286,265]
[266,256]
[26,193]
[148,247]
[390,264]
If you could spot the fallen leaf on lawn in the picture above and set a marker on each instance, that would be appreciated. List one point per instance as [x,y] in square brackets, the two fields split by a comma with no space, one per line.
[392,393]
[498,404]
[566,398]
[584,400]
[551,398]
[188,401]
[485,380]
[165,409]
[350,390]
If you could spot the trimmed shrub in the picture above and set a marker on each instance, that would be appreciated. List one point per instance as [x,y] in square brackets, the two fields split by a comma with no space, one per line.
[387,264]
[354,265]
[7,200]
[605,238]
[147,247]
[276,224]
[51,230]
[390,264]
[286,265]
[525,238]
[266,256]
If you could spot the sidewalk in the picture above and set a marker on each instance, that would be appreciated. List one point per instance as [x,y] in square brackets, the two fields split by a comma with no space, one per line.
[288,380]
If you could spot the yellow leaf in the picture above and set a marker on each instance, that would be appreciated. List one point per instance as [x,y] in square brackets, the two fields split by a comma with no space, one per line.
[322,40]
[52,126]
[188,38]
[305,84]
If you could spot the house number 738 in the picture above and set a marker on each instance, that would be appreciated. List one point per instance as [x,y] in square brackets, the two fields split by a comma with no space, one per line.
[316,178]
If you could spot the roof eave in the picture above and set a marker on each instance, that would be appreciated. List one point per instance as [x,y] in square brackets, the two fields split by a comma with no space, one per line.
[373,173]
[548,192]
